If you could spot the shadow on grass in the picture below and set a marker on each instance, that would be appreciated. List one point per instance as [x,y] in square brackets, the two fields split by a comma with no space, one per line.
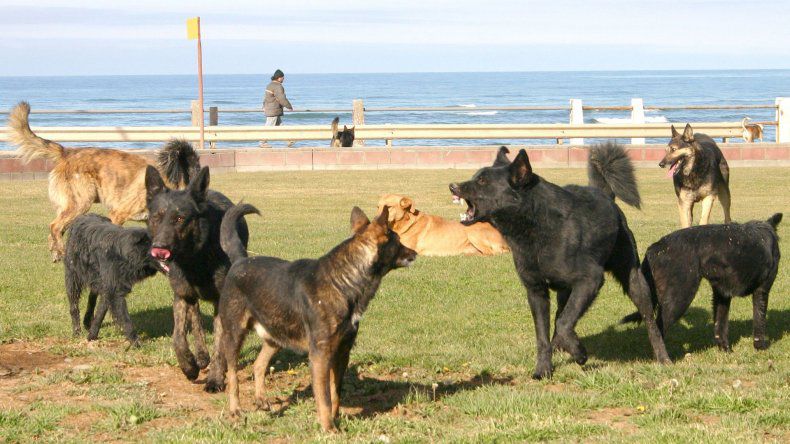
[374,396]
[693,333]
[158,322]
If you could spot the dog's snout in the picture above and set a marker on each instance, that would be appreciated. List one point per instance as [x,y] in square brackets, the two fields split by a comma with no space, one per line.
[662,164]
[160,252]
[454,188]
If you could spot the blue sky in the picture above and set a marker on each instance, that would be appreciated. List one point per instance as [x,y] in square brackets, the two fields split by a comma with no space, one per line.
[148,37]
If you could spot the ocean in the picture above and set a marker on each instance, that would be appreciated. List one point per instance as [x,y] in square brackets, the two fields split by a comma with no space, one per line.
[470,90]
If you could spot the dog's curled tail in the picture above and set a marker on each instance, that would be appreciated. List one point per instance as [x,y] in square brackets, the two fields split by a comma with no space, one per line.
[774,220]
[30,145]
[229,231]
[610,169]
[179,162]
[335,123]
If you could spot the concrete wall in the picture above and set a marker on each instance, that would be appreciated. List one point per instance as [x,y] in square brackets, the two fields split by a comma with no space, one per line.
[283,159]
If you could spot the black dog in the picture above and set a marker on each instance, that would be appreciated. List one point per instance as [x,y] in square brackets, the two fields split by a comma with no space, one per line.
[343,138]
[737,260]
[309,305]
[564,238]
[109,260]
[184,228]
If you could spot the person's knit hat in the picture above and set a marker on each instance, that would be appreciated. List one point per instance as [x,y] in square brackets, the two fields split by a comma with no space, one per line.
[277,74]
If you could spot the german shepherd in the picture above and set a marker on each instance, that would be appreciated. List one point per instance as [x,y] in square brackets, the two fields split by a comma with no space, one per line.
[563,239]
[184,227]
[108,260]
[700,173]
[84,176]
[431,235]
[308,305]
[343,138]
[751,131]
[736,259]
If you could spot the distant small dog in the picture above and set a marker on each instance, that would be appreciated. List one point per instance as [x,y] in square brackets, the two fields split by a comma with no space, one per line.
[430,235]
[343,138]
[736,259]
[84,176]
[309,305]
[184,228]
[700,173]
[751,131]
[108,260]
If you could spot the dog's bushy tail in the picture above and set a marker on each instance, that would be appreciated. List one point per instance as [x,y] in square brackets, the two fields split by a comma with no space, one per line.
[774,220]
[178,162]
[636,317]
[30,145]
[335,123]
[610,169]
[229,231]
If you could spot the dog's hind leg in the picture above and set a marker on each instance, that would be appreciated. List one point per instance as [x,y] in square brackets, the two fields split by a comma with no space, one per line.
[562,299]
[98,318]
[581,297]
[90,309]
[268,350]
[760,309]
[232,340]
[74,290]
[707,207]
[724,198]
[538,299]
[721,321]
[199,335]
[186,360]
[120,312]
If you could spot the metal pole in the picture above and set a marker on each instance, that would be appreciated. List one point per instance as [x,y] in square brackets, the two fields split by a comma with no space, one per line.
[200,87]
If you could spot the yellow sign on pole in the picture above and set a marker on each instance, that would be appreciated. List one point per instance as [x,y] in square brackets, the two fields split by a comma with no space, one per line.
[193,28]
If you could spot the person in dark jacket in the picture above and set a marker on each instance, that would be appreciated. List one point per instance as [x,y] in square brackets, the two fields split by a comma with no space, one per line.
[274,101]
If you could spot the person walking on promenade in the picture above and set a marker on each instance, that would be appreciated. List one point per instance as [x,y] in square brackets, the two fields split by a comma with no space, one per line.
[274,101]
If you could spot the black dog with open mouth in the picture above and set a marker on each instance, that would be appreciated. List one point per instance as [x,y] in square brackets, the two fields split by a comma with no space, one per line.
[184,226]
[563,239]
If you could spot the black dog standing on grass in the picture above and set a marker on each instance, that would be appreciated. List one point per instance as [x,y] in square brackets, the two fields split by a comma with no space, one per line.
[184,228]
[109,260]
[737,260]
[308,305]
[564,238]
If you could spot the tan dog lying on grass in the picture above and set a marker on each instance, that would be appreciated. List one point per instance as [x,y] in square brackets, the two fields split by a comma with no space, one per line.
[435,236]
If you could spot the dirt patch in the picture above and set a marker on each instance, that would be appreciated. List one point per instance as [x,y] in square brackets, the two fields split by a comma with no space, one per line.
[614,417]
[20,357]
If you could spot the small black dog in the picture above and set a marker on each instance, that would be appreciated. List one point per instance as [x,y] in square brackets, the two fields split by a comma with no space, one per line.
[309,305]
[343,138]
[109,260]
[564,238]
[737,260]
[184,228]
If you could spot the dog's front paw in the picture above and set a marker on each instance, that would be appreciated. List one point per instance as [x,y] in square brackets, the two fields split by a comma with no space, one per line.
[262,404]
[203,360]
[214,386]
[191,372]
[761,343]
[542,372]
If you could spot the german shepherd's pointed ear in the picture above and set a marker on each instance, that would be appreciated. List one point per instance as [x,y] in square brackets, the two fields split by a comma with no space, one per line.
[688,133]
[675,133]
[359,221]
[153,183]
[382,218]
[520,170]
[406,203]
[775,219]
[501,157]
[199,185]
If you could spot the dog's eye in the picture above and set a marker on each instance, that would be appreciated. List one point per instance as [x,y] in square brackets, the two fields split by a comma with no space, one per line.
[481,181]
[179,219]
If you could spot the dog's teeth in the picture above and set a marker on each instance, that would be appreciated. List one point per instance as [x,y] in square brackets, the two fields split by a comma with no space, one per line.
[464,217]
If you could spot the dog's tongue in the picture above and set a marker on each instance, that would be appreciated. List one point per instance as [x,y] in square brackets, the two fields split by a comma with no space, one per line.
[671,171]
[160,253]
[456,199]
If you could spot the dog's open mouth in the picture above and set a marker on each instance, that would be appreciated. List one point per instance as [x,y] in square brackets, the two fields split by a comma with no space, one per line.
[469,215]
[162,256]
[673,169]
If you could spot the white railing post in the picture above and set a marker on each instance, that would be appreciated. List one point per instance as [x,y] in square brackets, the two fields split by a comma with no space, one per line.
[358,118]
[783,120]
[637,117]
[577,118]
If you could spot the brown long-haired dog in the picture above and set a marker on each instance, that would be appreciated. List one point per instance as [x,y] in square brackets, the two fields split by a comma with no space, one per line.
[431,235]
[83,176]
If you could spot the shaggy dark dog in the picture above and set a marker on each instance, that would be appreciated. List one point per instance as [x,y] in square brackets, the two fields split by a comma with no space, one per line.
[184,228]
[564,238]
[308,305]
[737,260]
[108,260]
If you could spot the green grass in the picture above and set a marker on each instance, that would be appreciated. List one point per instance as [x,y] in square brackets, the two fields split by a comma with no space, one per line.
[444,353]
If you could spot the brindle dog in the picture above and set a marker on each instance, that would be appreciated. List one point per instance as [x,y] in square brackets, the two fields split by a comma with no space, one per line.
[700,173]
[308,305]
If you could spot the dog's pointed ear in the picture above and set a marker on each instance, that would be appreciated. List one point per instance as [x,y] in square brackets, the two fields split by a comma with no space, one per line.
[383,218]
[675,133]
[153,183]
[501,157]
[520,170]
[406,203]
[199,185]
[688,133]
[359,221]
[345,128]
